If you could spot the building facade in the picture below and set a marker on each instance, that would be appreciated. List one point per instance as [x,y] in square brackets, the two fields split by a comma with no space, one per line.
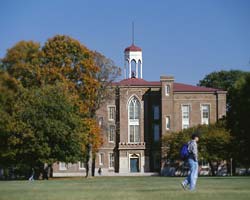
[137,115]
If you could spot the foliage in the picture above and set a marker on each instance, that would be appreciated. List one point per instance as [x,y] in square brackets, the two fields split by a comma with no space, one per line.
[213,143]
[48,98]
[238,120]
[50,125]
[107,74]
[23,62]
[223,80]
[9,88]
[238,106]
[44,126]
[75,63]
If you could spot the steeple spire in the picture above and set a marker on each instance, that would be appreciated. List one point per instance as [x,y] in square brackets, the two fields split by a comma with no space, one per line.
[133,35]
[133,59]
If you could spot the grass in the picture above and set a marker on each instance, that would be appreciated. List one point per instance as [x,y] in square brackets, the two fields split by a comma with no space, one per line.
[126,188]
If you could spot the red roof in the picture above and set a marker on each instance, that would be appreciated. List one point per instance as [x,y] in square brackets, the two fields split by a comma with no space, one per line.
[178,87]
[133,48]
[137,82]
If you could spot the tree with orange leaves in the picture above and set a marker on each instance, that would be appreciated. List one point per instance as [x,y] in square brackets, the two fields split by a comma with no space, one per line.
[65,61]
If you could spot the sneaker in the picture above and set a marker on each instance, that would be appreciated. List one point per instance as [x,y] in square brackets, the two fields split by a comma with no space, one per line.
[183,186]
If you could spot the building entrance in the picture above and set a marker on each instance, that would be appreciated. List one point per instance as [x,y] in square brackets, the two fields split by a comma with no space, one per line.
[134,163]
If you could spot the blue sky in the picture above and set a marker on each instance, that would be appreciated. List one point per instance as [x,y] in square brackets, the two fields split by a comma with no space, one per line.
[183,38]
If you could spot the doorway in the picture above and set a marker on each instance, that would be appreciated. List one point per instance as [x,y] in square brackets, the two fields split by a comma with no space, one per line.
[134,163]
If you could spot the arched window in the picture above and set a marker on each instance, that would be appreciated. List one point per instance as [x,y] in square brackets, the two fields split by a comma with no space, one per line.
[133,69]
[126,69]
[134,120]
[139,69]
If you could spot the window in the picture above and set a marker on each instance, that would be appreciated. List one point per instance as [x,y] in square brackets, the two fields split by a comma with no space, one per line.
[185,109]
[111,133]
[168,123]
[156,110]
[205,114]
[134,109]
[167,90]
[156,161]
[111,160]
[134,125]
[62,166]
[82,165]
[111,113]
[100,121]
[133,69]
[139,69]
[101,159]
[156,132]
[134,133]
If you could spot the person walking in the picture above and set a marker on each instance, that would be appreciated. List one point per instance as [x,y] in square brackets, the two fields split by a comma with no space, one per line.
[190,181]
[32,174]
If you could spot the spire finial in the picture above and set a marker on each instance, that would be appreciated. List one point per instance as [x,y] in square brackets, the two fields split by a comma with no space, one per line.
[133,37]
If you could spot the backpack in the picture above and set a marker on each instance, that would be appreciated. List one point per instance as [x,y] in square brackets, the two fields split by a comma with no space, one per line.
[184,153]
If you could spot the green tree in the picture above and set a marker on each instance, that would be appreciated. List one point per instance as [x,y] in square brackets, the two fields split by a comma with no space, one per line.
[23,62]
[9,89]
[213,144]
[235,82]
[47,128]
[75,63]
[84,74]
[223,80]
[238,120]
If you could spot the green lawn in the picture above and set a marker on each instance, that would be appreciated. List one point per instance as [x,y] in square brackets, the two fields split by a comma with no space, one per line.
[121,188]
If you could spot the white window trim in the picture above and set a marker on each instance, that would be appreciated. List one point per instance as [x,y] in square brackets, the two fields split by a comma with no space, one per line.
[209,112]
[167,90]
[101,161]
[79,164]
[133,121]
[189,115]
[133,124]
[137,155]
[108,107]
[168,121]
[62,168]
[110,160]
[110,134]
[100,121]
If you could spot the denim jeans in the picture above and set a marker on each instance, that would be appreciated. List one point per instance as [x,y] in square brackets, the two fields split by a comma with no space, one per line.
[193,174]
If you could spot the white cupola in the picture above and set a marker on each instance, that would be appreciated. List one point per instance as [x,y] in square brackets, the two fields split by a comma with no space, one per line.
[133,62]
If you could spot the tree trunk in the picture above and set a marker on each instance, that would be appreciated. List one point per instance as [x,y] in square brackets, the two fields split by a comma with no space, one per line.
[212,167]
[93,167]
[50,171]
[89,162]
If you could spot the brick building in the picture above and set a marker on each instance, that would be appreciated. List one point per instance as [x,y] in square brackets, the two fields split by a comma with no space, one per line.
[139,113]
